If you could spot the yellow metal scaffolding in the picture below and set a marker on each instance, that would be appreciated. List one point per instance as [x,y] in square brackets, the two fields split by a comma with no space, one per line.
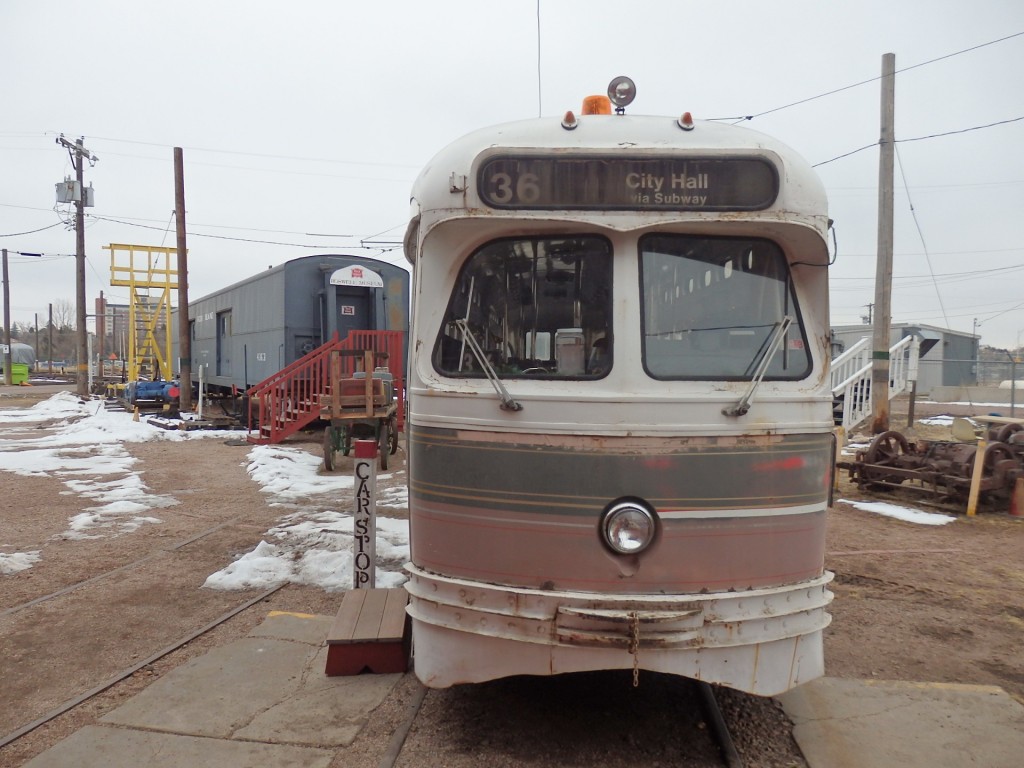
[150,273]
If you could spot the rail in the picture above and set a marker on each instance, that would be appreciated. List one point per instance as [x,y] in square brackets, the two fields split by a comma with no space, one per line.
[287,401]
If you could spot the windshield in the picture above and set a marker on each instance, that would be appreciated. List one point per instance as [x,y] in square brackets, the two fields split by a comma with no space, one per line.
[536,308]
[711,305]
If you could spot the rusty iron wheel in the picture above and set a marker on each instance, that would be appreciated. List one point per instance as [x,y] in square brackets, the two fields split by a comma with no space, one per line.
[885,450]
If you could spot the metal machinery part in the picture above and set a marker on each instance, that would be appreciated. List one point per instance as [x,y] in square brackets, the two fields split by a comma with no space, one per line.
[941,468]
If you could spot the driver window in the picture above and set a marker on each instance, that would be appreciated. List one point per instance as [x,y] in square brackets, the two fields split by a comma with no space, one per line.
[535,307]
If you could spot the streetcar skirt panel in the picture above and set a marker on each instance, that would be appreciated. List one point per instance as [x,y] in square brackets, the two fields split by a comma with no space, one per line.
[761,641]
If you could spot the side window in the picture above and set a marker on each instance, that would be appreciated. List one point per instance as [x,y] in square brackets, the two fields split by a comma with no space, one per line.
[711,307]
[530,308]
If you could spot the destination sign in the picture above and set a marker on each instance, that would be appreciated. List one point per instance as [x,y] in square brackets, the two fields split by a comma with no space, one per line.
[628,183]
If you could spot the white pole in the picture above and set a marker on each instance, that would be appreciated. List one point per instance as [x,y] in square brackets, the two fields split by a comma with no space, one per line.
[364,554]
[200,411]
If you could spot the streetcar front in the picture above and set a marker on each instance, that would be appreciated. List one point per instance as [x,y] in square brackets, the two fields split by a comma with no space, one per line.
[620,427]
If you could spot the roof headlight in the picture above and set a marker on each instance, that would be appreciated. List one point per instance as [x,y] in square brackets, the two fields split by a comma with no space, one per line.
[621,92]
[628,528]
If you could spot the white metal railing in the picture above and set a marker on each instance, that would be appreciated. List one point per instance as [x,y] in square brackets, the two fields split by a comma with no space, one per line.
[851,377]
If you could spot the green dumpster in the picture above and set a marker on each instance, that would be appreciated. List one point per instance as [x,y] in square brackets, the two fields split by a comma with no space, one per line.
[19,373]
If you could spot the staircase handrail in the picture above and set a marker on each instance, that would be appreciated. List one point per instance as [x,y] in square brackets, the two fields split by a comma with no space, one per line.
[854,358]
[854,387]
[290,399]
[900,355]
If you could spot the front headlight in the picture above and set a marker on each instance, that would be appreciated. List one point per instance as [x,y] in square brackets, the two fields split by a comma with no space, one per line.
[628,528]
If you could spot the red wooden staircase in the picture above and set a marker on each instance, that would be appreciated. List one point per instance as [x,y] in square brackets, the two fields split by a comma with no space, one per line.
[289,400]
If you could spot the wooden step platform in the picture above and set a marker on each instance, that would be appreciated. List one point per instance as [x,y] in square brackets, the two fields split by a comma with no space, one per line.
[370,633]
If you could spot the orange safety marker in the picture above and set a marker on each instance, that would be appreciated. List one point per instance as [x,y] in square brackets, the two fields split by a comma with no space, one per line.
[1017,498]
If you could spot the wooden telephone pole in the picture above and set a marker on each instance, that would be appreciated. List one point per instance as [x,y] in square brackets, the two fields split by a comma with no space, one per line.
[184,332]
[79,154]
[883,273]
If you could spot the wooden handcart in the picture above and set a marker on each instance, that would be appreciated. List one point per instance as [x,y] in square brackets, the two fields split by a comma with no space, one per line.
[360,406]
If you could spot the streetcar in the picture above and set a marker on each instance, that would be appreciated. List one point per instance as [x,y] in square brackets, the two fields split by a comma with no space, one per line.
[620,436]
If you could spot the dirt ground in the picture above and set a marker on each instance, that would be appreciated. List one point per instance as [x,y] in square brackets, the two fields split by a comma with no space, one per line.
[912,602]
[926,603]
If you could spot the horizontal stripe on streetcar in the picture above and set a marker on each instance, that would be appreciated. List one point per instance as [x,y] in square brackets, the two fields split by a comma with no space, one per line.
[503,577]
[557,503]
[689,514]
[775,450]
[484,519]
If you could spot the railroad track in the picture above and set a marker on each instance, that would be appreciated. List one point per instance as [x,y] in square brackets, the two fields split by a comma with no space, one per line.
[119,569]
[60,629]
[129,671]
[703,741]
[699,737]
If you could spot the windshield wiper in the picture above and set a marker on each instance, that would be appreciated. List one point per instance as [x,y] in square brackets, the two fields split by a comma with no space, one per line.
[766,356]
[507,403]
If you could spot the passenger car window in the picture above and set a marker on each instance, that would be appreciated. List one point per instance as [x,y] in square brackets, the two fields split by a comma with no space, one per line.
[711,305]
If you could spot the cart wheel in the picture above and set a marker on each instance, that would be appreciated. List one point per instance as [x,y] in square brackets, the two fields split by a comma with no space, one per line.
[382,444]
[328,450]
[346,441]
[393,436]
[885,450]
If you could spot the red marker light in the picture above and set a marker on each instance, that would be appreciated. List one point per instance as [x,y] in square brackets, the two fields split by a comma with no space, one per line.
[686,121]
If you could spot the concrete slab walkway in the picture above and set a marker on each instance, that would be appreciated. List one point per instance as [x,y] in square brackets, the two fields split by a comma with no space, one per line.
[264,700]
[261,700]
[879,724]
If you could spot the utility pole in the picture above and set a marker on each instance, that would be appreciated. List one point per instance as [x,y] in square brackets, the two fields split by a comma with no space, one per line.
[8,357]
[883,272]
[78,154]
[184,334]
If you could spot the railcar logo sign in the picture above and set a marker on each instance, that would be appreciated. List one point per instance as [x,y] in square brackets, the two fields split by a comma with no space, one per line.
[359,276]
[629,183]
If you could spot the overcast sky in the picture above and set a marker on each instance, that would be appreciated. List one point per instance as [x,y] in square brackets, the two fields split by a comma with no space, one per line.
[304,125]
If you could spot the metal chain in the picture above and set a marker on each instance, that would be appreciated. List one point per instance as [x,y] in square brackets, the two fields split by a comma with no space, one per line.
[634,645]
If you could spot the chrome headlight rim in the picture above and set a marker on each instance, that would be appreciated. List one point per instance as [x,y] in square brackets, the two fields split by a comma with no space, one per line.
[628,527]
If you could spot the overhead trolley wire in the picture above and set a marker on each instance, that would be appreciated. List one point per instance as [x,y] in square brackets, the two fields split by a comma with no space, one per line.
[922,138]
[834,91]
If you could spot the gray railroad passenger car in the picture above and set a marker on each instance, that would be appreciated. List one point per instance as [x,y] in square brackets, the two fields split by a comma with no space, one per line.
[253,329]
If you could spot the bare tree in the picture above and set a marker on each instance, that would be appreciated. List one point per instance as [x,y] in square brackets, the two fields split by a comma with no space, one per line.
[64,314]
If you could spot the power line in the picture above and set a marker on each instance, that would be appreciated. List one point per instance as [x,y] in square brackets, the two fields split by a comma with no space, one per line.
[976,272]
[870,80]
[264,155]
[922,138]
[33,231]
[316,246]
[130,221]
[962,130]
